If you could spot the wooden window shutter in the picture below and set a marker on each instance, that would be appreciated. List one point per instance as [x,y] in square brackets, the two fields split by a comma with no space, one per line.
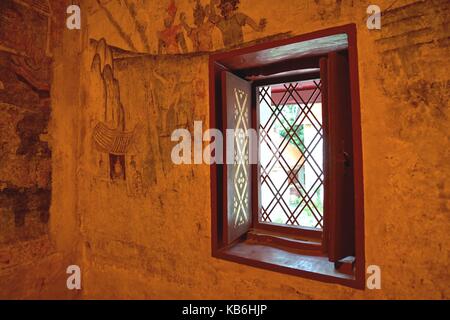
[237,172]
[339,225]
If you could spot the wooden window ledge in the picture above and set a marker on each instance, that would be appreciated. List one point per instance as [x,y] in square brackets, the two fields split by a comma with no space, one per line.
[285,260]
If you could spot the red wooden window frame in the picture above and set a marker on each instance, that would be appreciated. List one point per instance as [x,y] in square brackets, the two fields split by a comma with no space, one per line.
[234,61]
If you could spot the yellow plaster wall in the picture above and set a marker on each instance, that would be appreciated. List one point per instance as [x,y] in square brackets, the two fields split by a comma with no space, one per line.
[158,245]
[34,266]
[153,240]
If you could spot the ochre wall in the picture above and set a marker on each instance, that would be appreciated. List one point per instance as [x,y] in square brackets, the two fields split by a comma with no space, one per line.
[148,236]
[157,244]
[37,217]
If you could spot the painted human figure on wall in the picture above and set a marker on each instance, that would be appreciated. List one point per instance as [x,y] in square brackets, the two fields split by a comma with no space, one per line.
[171,39]
[201,34]
[168,110]
[136,184]
[231,22]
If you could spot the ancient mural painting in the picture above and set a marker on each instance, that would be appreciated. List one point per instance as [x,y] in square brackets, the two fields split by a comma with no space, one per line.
[229,20]
[171,38]
[113,137]
[180,30]
[222,14]
[145,97]
[25,154]
[142,101]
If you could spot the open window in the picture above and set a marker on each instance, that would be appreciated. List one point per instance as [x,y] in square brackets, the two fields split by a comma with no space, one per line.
[299,208]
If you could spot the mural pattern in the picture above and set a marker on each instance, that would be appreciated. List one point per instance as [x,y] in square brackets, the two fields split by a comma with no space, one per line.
[119,137]
[177,35]
[25,154]
[111,136]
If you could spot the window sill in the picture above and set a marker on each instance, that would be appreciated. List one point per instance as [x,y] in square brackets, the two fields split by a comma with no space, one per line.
[315,267]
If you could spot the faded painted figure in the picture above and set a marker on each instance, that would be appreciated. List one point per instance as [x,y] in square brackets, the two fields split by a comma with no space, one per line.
[171,39]
[201,34]
[230,21]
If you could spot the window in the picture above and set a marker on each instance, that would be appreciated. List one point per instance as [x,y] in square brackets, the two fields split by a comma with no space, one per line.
[299,209]
[291,154]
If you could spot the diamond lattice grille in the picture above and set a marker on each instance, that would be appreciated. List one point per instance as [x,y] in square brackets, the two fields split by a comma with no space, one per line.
[291,147]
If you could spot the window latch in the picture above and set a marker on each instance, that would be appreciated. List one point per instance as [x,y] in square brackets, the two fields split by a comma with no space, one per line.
[347,161]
